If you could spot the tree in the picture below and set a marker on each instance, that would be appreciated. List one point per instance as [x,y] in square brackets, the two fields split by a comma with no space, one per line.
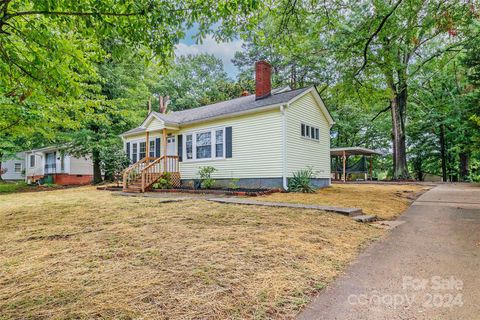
[372,41]
[49,51]
[193,81]
[120,103]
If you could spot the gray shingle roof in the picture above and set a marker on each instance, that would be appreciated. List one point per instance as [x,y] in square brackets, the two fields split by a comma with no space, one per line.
[229,106]
[233,106]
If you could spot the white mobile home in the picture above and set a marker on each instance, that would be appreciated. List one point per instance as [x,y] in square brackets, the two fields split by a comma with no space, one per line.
[14,168]
[260,139]
[58,167]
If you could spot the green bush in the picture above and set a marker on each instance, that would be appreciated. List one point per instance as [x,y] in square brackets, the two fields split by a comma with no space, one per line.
[233,184]
[205,174]
[301,181]
[164,182]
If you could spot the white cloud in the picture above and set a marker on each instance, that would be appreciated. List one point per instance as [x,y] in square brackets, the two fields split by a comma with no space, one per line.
[224,50]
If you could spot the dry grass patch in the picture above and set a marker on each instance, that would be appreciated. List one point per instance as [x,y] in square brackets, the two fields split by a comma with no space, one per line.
[386,201]
[83,253]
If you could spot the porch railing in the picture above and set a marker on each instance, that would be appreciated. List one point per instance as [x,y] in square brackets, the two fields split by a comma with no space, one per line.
[148,170]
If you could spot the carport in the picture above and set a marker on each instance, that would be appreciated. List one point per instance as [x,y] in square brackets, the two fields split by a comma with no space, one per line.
[340,155]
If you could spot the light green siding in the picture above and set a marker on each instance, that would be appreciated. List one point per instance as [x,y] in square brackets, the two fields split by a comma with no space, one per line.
[303,152]
[256,144]
[155,124]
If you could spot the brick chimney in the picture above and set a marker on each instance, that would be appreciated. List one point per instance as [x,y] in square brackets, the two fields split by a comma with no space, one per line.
[263,84]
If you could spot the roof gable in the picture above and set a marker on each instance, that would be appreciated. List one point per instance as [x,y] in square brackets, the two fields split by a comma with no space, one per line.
[319,101]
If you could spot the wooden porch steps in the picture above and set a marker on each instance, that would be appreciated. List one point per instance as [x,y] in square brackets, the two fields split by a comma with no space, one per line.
[144,173]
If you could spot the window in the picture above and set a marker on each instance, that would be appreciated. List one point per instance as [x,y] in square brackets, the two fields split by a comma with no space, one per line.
[17,167]
[204,145]
[209,144]
[151,149]
[32,160]
[189,146]
[143,150]
[134,152]
[310,132]
[219,143]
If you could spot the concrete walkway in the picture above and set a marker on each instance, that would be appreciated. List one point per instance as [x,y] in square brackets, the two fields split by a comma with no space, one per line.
[426,268]
[351,212]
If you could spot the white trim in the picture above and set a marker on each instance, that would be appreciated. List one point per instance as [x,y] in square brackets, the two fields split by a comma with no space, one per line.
[213,143]
[284,147]
[14,167]
[309,138]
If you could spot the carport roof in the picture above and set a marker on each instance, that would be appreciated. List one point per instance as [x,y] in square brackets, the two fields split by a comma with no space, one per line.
[353,151]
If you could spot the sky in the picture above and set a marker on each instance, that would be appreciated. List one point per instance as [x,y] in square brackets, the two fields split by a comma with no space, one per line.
[224,50]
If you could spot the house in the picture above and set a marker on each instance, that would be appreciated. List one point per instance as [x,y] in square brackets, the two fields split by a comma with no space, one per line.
[54,166]
[256,140]
[14,168]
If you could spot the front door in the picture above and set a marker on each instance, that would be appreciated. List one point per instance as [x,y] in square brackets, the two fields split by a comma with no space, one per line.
[50,163]
[170,146]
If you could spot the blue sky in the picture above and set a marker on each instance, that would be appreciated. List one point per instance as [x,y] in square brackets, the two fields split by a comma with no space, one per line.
[224,50]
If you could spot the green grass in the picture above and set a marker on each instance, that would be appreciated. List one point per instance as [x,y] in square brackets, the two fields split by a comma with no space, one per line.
[10,187]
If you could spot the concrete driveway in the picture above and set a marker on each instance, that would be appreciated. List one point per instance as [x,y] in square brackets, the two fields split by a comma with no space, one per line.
[426,268]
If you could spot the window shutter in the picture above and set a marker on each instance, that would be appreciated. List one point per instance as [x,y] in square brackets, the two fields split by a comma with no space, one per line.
[157,147]
[180,147]
[228,141]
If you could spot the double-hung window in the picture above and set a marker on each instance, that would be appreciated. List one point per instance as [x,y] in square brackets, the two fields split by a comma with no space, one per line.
[134,152]
[205,144]
[143,150]
[17,168]
[151,149]
[219,143]
[189,146]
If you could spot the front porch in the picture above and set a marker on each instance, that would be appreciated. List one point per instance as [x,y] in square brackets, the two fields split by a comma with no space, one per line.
[152,156]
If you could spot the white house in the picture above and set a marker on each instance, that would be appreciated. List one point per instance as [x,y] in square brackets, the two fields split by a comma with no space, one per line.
[259,140]
[14,168]
[58,167]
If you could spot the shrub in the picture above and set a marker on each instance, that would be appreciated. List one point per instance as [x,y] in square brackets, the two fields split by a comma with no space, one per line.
[301,181]
[205,174]
[233,184]
[164,182]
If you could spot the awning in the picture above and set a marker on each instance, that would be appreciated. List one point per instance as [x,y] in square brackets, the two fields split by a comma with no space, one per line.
[353,151]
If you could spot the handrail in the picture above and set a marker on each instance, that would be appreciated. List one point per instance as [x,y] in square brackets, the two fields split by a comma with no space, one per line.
[149,169]
[129,174]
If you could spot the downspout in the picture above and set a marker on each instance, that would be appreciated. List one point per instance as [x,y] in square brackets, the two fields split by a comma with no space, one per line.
[284,148]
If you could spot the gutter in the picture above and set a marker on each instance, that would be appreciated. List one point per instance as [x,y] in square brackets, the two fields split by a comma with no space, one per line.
[284,148]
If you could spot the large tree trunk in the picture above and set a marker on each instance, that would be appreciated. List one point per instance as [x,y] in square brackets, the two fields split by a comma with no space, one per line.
[443,154]
[464,166]
[398,110]
[97,172]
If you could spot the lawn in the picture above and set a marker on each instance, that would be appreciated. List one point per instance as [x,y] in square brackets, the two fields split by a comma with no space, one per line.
[386,201]
[83,253]
[10,187]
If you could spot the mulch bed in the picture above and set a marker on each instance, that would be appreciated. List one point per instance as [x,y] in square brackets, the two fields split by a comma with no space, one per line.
[230,192]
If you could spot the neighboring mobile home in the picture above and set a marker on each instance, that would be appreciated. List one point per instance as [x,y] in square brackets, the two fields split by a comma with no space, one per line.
[52,165]
[256,140]
[14,168]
